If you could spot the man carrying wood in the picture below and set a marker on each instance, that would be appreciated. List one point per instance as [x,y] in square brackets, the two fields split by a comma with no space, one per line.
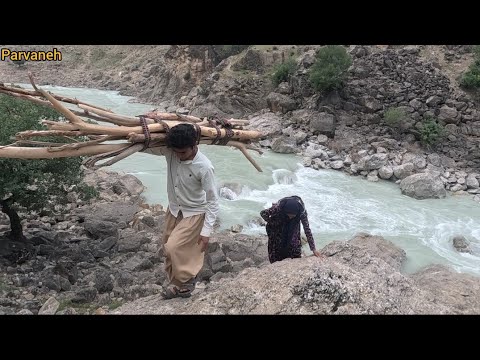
[192,208]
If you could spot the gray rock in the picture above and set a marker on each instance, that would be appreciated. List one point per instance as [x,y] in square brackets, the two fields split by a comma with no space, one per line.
[423,186]
[434,159]
[458,292]
[268,124]
[338,164]
[103,281]
[100,229]
[449,115]
[84,295]
[433,101]
[372,162]
[403,171]
[137,263]
[50,307]
[280,103]
[461,244]
[284,145]
[130,240]
[385,172]
[472,182]
[24,312]
[323,123]
[371,104]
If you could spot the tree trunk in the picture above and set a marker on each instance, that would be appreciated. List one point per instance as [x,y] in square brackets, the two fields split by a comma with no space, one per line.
[15,225]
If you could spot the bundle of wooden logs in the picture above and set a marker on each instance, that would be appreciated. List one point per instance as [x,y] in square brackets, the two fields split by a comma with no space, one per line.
[131,134]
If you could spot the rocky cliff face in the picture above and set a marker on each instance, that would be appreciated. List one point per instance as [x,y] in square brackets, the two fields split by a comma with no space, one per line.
[152,73]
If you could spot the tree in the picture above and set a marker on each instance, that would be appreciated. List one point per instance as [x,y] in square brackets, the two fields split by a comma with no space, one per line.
[33,184]
[329,70]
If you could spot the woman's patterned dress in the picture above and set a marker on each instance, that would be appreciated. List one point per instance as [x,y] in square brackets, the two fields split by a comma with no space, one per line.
[276,220]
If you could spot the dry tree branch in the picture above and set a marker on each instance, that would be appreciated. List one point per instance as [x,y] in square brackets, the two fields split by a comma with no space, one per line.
[127,128]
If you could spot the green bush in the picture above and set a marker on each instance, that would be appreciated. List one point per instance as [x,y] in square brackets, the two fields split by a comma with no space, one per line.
[471,78]
[282,72]
[39,183]
[431,131]
[394,117]
[330,68]
[476,51]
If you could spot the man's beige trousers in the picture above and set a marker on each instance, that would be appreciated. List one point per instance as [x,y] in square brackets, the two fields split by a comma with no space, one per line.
[183,255]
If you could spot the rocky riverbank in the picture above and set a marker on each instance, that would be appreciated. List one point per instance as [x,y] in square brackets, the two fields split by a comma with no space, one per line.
[104,257]
[95,256]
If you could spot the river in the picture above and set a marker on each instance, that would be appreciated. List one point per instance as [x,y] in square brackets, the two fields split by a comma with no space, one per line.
[338,205]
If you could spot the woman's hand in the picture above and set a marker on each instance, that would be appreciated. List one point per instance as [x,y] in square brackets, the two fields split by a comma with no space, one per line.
[317,253]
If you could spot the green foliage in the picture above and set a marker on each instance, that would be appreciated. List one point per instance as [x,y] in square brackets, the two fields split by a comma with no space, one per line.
[224,51]
[431,131]
[35,184]
[394,117]
[282,72]
[63,304]
[476,51]
[87,192]
[115,304]
[471,78]
[330,68]
[80,308]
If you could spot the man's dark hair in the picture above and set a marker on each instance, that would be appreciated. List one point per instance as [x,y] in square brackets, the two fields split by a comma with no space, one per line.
[182,136]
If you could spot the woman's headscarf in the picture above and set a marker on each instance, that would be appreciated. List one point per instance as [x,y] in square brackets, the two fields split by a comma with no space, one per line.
[290,206]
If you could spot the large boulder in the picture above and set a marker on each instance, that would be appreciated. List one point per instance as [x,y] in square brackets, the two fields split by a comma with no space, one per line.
[423,186]
[268,124]
[284,145]
[323,123]
[280,103]
[460,292]
[372,162]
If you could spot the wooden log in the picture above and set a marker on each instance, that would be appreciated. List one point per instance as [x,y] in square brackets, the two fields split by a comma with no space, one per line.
[115,118]
[49,104]
[13,152]
[94,129]
[172,116]
[79,145]
[41,133]
[57,104]
[133,137]
[11,89]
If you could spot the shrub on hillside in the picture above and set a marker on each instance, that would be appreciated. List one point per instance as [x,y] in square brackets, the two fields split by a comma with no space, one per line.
[431,132]
[329,70]
[394,117]
[471,78]
[282,72]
